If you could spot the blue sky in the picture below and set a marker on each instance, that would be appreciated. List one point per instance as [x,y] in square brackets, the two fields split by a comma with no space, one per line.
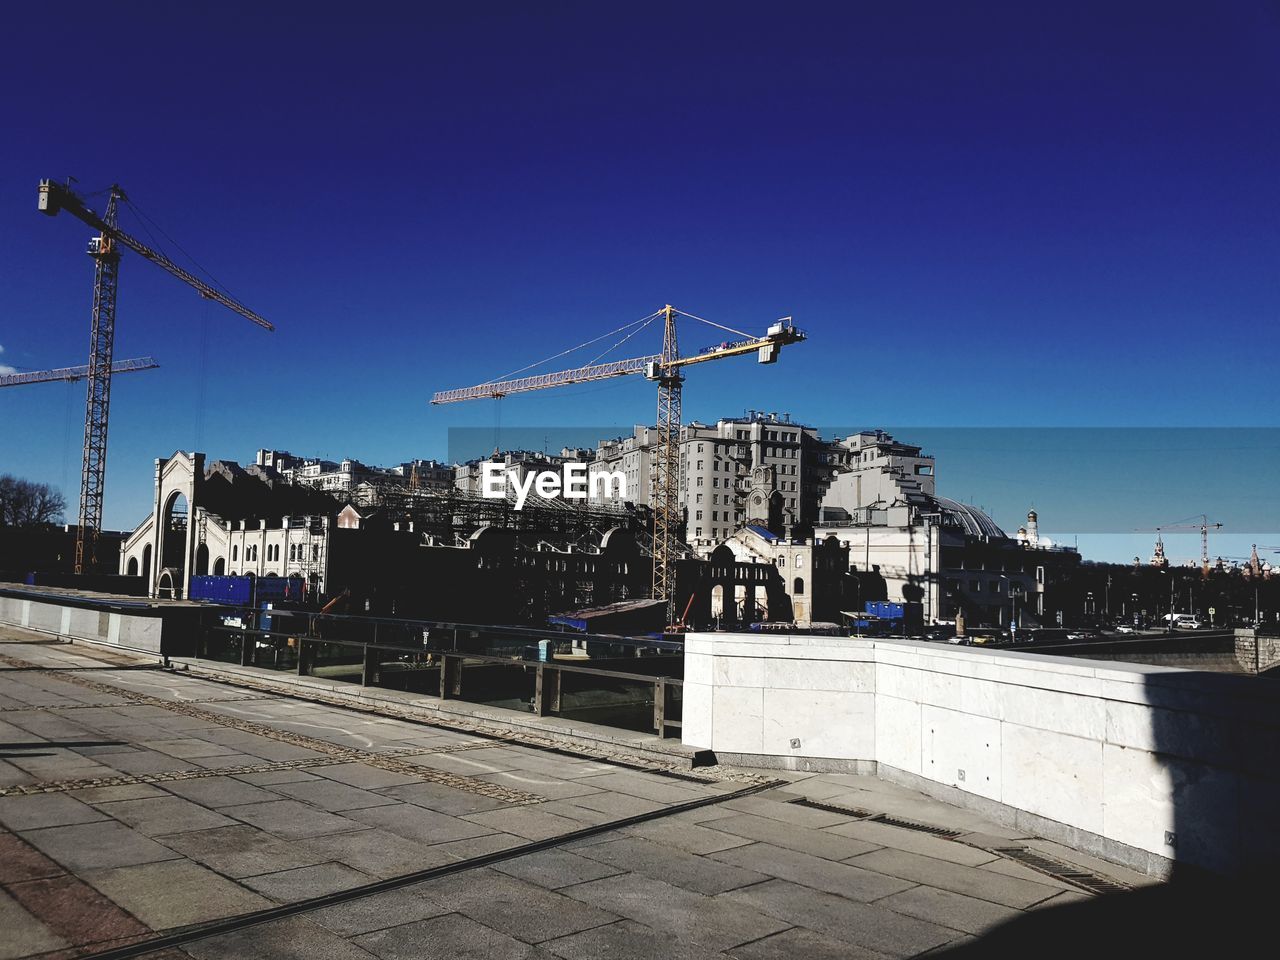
[984,215]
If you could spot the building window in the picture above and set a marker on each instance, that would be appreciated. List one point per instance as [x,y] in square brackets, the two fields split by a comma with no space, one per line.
[799,587]
[698,516]
[235,553]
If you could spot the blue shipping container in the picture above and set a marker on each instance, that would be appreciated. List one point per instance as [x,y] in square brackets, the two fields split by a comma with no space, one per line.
[247,591]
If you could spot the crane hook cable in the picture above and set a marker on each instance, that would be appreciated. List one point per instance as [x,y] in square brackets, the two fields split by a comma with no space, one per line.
[562,353]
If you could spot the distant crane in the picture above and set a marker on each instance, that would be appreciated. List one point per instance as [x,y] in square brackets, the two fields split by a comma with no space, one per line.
[1203,526]
[664,369]
[104,249]
[72,374]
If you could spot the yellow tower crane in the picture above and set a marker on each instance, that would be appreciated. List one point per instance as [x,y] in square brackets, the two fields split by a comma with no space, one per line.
[664,369]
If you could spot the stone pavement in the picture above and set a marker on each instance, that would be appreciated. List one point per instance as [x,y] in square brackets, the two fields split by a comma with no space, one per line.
[138,803]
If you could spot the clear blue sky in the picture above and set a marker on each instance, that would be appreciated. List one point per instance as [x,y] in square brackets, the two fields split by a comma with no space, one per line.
[984,214]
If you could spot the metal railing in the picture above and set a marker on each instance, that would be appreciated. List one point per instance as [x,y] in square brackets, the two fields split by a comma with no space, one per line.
[435,661]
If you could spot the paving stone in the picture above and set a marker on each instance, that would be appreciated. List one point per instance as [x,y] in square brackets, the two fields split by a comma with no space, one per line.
[818,843]
[376,852]
[175,893]
[451,937]
[215,792]
[291,820]
[866,925]
[838,878]
[886,835]
[11,776]
[707,814]
[295,938]
[585,816]
[378,912]
[188,748]
[627,940]
[464,764]
[333,796]
[531,823]
[442,799]
[556,868]
[89,846]
[23,933]
[479,846]
[617,805]
[275,776]
[303,883]
[154,816]
[364,776]
[815,788]
[522,910]
[647,787]
[800,942]
[147,761]
[715,923]
[673,866]
[972,881]
[683,835]
[774,809]
[20,861]
[44,810]
[244,851]
[949,909]
[127,791]
[549,787]
[419,823]
[75,911]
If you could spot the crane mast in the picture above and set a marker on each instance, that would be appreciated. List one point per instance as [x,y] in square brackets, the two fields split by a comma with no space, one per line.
[105,251]
[666,489]
[106,274]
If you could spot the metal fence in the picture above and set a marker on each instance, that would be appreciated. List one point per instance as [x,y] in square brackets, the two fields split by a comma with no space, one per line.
[633,684]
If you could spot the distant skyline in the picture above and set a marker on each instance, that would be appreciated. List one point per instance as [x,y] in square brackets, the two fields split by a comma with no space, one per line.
[994,215]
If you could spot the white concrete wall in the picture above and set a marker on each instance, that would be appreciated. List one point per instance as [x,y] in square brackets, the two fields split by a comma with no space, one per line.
[120,629]
[1117,755]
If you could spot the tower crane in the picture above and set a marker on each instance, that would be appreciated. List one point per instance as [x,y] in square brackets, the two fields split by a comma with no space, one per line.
[665,370]
[1204,526]
[105,251]
[71,374]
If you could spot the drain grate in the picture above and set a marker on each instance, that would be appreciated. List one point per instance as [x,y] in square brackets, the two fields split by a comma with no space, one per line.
[1060,870]
[945,833]
[832,808]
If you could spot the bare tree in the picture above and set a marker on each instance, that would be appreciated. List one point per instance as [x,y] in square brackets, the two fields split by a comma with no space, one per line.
[27,504]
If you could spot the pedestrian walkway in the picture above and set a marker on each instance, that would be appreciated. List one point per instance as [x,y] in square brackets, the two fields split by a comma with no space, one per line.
[153,814]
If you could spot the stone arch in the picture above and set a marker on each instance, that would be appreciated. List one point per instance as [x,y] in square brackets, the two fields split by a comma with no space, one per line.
[175,511]
[174,523]
[146,564]
[168,584]
[798,587]
[219,567]
[202,560]
[132,570]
